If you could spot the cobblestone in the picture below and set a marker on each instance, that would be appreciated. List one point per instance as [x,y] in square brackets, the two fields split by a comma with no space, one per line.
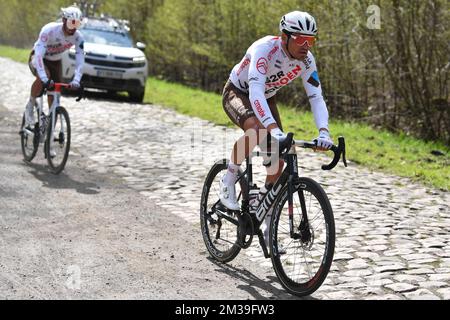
[421,294]
[401,287]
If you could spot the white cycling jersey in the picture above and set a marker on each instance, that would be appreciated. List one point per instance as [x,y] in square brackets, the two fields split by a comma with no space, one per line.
[266,68]
[52,43]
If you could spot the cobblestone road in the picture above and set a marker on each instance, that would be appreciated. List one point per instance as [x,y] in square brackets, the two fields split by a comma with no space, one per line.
[393,235]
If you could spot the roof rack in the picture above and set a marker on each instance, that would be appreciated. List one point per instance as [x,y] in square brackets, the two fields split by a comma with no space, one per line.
[90,10]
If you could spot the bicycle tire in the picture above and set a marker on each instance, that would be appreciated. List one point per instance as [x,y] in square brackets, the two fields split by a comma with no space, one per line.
[216,253]
[308,287]
[24,140]
[60,113]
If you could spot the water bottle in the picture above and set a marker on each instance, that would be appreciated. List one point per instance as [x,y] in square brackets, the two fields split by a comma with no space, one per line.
[253,198]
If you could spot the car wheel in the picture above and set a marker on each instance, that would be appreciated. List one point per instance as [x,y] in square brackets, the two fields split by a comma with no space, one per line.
[137,96]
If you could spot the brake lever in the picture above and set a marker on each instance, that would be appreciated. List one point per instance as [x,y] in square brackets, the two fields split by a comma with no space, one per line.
[338,151]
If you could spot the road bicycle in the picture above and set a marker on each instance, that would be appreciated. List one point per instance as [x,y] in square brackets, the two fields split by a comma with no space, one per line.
[53,130]
[302,232]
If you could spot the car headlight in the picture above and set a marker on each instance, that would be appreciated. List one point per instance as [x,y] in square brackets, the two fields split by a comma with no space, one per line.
[139,59]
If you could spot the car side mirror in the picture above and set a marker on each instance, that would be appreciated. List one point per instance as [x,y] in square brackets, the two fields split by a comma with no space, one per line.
[141,46]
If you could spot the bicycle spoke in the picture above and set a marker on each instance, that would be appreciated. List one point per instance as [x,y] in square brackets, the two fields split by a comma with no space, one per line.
[315,216]
[287,231]
[317,227]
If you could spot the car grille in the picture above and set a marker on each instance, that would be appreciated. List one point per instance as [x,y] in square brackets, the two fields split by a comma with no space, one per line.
[128,64]
[115,64]
[107,83]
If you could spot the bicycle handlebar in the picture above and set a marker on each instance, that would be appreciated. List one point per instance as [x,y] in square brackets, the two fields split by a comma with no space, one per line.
[58,85]
[337,150]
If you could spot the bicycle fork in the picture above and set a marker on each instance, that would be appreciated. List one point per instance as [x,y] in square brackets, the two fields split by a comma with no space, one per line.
[293,171]
[304,235]
[55,105]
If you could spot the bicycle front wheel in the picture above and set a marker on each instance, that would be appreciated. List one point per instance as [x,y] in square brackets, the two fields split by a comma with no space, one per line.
[57,145]
[303,259]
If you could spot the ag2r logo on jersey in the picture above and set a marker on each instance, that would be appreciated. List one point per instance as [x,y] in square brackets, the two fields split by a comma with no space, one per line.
[262,65]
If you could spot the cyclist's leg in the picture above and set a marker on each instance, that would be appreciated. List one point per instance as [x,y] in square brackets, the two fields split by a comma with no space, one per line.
[36,91]
[237,106]
[54,68]
[37,87]
[55,73]
[275,168]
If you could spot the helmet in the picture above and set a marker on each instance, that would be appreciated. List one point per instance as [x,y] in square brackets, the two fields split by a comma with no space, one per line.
[298,22]
[73,16]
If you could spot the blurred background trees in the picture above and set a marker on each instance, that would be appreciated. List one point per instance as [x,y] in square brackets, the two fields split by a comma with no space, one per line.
[394,74]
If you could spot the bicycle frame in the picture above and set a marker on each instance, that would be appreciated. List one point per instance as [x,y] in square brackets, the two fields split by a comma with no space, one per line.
[290,177]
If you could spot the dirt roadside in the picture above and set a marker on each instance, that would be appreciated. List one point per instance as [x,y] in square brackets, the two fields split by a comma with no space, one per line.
[83,235]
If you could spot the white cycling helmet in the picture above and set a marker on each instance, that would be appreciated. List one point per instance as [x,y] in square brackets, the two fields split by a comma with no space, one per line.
[298,22]
[74,17]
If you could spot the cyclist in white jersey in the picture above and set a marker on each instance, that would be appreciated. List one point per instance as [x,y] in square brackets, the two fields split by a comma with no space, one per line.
[249,95]
[45,58]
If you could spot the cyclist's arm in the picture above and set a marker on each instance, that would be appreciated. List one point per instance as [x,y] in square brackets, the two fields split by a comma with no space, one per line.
[313,88]
[79,56]
[257,85]
[40,49]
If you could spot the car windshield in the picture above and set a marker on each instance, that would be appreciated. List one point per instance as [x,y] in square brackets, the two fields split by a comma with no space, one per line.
[107,37]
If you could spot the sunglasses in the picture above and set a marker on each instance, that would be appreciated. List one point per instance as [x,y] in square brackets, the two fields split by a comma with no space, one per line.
[73,24]
[300,40]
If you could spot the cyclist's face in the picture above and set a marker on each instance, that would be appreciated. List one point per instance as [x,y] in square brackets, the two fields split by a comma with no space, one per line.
[297,50]
[68,31]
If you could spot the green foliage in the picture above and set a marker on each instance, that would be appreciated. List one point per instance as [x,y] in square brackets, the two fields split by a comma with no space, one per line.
[22,20]
[20,55]
[395,77]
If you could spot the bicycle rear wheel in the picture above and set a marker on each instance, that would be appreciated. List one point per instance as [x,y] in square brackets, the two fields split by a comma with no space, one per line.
[29,140]
[305,259]
[59,136]
[219,231]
